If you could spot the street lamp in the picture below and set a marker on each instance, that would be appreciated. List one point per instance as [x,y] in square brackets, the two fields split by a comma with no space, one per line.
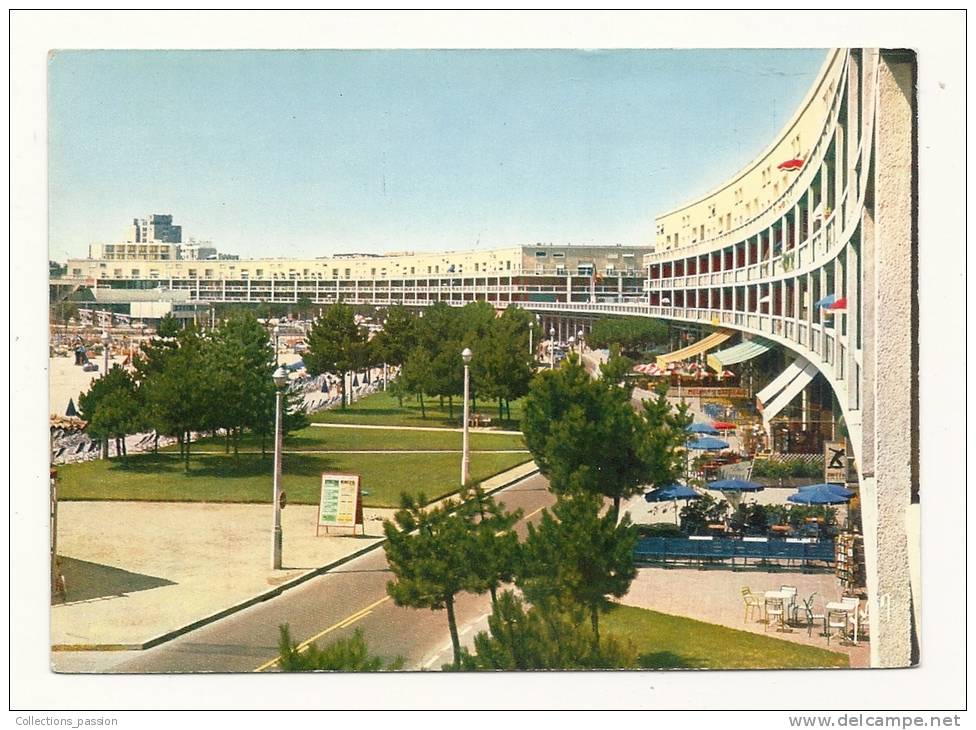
[572,343]
[552,348]
[280,379]
[465,452]
[531,327]
[579,339]
[277,331]
[106,341]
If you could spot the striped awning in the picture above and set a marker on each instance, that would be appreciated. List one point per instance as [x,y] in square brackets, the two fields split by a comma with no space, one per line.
[703,345]
[745,350]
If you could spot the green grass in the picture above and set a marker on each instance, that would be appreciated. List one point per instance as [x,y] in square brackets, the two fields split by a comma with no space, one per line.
[316,438]
[221,478]
[674,642]
[382,409]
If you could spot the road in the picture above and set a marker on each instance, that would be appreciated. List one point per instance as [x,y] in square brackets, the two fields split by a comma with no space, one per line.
[332,606]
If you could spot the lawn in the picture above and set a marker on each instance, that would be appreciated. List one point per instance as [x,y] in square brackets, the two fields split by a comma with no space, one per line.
[222,478]
[675,642]
[382,409]
[316,438]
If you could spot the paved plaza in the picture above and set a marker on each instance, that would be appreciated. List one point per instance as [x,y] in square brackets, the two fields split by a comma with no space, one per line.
[714,596]
[136,571]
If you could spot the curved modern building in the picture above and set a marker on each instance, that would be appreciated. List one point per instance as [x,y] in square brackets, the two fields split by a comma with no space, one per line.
[811,247]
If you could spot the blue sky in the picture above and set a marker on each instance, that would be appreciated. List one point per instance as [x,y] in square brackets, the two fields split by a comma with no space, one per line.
[308,153]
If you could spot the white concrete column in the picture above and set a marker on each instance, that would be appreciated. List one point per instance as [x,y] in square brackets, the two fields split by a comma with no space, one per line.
[889,450]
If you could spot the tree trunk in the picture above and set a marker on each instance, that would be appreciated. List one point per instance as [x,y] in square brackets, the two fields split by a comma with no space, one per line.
[595,623]
[186,461]
[616,509]
[500,412]
[494,599]
[226,440]
[342,391]
[452,625]
[155,442]
[423,411]
[450,407]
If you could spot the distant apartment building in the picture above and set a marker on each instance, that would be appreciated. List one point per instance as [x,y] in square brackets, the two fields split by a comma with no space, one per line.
[194,250]
[146,239]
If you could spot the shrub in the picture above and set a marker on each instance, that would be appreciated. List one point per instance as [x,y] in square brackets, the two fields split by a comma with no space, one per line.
[659,529]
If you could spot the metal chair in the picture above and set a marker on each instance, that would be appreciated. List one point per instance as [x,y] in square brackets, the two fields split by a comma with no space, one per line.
[775,609]
[752,603]
[836,620]
[810,614]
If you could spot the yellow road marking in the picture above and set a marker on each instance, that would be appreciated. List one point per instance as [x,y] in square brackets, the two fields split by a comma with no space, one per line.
[355,616]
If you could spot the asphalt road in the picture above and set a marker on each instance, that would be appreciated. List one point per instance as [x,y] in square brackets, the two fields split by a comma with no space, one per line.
[331,606]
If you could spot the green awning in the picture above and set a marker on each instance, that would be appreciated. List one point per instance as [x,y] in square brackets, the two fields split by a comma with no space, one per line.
[745,350]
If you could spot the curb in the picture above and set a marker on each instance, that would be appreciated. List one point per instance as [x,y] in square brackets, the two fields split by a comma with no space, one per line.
[259,598]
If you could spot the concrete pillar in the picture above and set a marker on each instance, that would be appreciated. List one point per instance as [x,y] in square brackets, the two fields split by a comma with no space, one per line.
[853,316]
[888,450]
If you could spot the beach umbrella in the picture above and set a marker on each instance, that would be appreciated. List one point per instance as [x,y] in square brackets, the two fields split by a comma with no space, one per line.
[734,489]
[702,428]
[735,485]
[672,493]
[838,488]
[826,301]
[71,411]
[821,494]
[790,165]
[723,425]
[839,304]
[708,444]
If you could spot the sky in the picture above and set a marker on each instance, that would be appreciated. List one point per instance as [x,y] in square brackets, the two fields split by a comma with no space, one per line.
[311,153]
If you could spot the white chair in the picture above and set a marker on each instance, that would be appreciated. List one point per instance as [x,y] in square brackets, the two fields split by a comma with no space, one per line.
[836,620]
[775,610]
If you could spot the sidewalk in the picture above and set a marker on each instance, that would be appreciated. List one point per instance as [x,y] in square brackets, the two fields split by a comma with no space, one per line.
[139,573]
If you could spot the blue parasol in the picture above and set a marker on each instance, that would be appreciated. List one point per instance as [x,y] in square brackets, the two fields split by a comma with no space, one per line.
[821,494]
[735,485]
[672,493]
[708,444]
[702,428]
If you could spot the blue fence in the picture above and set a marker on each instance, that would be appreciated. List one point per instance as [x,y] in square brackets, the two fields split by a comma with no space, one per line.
[771,553]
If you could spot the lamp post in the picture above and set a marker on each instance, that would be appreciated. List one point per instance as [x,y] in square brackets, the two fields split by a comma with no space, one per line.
[572,343]
[579,339]
[280,379]
[552,348]
[465,451]
[106,342]
[531,327]
[277,331]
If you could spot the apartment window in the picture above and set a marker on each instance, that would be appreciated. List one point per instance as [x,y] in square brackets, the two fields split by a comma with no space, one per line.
[610,269]
[193,273]
[76,272]
[117,273]
[540,254]
[560,269]
[584,270]
[135,273]
[476,267]
[411,270]
[347,273]
[558,255]
[259,273]
[208,273]
[335,273]
[508,266]
[437,269]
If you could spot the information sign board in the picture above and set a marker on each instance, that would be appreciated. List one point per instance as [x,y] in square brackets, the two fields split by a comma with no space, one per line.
[340,502]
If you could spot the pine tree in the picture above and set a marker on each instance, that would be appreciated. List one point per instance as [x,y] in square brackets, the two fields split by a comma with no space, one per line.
[575,556]
[431,553]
